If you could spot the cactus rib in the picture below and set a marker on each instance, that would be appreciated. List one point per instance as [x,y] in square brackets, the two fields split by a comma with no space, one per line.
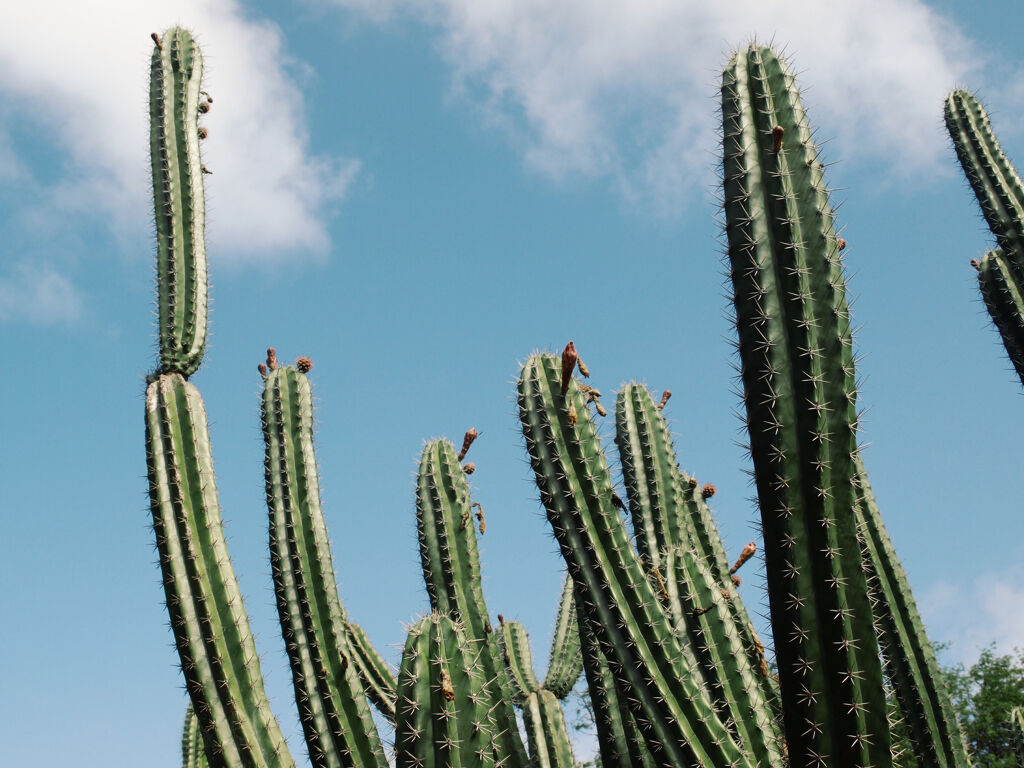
[193,754]
[380,683]
[565,663]
[175,85]
[335,716]
[211,629]
[799,389]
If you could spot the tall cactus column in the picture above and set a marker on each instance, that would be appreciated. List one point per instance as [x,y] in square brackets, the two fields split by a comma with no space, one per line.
[208,619]
[1000,193]
[798,375]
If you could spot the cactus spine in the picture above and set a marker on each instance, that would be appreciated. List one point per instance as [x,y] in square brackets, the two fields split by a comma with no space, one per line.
[1000,193]
[180,205]
[796,352]
[335,716]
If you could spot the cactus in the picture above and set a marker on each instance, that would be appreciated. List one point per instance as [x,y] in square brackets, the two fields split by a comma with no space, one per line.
[1017,730]
[175,87]
[193,755]
[539,702]
[1000,193]
[796,351]
[444,718]
[451,570]
[912,668]
[675,672]
[334,713]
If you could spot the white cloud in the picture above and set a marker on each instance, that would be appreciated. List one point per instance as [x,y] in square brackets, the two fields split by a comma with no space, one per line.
[972,616]
[40,295]
[79,70]
[602,88]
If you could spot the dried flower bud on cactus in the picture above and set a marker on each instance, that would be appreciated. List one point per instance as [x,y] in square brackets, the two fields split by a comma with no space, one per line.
[707,491]
[600,408]
[471,435]
[976,263]
[569,358]
[271,358]
[840,243]
[692,482]
[617,502]
[203,133]
[480,516]
[469,467]
[204,107]
[736,580]
[664,399]
[777,133]
[447,690]
[304,364]
[583,368]
[262,368]
[745,554]
[573,416]
[156,39]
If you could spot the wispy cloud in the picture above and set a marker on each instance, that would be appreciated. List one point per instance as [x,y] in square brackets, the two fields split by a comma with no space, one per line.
[79,73]
[40,295]
[625,90]
[972,616]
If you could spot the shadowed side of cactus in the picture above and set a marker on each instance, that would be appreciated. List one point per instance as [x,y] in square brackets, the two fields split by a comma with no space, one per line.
[175,88]
[1000,193]
[913,670]
[451,570]
[797,370]
[335,716]
[1017,728]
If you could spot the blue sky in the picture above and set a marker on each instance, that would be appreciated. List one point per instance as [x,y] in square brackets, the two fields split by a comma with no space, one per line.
[417,195]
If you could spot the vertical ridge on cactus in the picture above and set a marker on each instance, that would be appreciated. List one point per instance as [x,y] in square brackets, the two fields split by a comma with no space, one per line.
[193,753]
[334,713]
[799,389]
[565,663]
[379,680]
[176,74]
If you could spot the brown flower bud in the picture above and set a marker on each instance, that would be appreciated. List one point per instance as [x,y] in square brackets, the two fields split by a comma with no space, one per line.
[745,554]
[304,364]
[262,368]
[271,358]
[569,358]
[469,467]
[707,491]
[777,133]
[840,243]
[471,435]
[664,399]
[156,39]
[975,263]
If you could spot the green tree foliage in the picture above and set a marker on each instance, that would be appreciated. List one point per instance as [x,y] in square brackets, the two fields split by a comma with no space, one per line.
[983,695]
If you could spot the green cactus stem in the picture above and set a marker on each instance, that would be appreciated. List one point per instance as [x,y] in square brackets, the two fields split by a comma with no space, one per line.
[208,619]
[643,650]
[796,354]
[618,737]
[1017,731]
[380,683]
[565,663]
[175,87]
[913,670]
[193,754]
[451,570]
[444,720]
[1000,193]
[335,716]
[542,711]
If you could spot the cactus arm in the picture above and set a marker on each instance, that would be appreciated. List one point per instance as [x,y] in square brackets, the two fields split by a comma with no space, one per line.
[208,619]
[914,671]
[379,680]
[175,82]
[193,754]
[566,662]
[546,732]
[451,570]
[734,684]
[618,738]
[999,277]
[993,179]
[576,492]
[797,368]
[443,713]
[515,646]
[335,715]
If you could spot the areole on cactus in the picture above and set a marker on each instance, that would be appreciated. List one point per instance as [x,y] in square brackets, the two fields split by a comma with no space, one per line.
[675,671]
